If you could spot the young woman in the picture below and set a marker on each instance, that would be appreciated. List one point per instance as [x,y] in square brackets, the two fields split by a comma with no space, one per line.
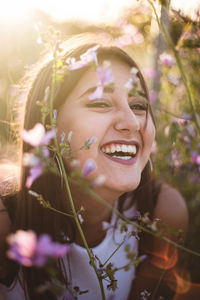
[102,95]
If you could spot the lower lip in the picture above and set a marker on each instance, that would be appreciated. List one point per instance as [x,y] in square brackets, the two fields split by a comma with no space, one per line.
[128,162]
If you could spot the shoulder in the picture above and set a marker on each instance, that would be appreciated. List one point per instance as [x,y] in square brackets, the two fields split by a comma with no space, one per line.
[172,212]
[171,208]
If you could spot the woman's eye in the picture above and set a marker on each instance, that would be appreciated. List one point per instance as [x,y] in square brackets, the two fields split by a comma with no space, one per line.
[139,106]
[98,104]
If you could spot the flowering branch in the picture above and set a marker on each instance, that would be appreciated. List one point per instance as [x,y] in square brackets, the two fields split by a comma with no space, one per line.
[75,215]
[180,65]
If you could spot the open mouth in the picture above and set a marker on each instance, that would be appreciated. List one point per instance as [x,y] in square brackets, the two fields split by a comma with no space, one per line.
[120,151]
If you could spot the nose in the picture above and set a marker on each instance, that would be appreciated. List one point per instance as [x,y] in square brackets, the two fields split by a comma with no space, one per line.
[126,120]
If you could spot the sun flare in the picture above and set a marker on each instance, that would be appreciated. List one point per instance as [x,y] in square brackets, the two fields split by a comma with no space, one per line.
[88,10]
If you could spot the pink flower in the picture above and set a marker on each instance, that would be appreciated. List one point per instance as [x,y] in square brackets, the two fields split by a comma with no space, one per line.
[98,93]
[167,60]
[105,77]
[90,141]
[90,55]
[28,250]
[85,59]
[198,160]
[34,173]
[130,35]
[89,167]
[134,81]
[193,157]
[37,135]
[23,246]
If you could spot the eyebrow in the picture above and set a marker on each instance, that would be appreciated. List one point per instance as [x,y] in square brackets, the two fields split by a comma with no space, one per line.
[107,89]
[132,93]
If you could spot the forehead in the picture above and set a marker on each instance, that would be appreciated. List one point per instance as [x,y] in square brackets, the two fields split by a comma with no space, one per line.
[121,72]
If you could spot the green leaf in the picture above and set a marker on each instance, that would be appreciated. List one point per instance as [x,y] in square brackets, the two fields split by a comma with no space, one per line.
[173,132]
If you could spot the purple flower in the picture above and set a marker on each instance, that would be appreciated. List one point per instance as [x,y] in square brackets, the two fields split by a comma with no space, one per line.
[34,173]
[89,167]
[137,215]
[167,60]
[133,81]
[198,160]
[45,151]
[37,135]
[85,59]
[98,93]
[193,157]
[46,248]
[105,77]
[22,246]
[28,250]
[130,35]
[91,141]
[191,130]
[90,55]
[36,163]
[176,158]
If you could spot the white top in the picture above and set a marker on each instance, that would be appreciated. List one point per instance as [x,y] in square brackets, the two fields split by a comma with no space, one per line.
[82,273]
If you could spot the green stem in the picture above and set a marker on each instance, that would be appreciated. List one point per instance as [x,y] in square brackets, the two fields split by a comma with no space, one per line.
[179,63]
[60,212]
[113,253]
[68,188]
[140,227]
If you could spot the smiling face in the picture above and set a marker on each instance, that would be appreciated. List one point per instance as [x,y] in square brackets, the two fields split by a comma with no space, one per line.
[119,121]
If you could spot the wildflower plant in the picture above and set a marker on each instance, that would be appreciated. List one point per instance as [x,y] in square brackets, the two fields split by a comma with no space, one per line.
[45,140]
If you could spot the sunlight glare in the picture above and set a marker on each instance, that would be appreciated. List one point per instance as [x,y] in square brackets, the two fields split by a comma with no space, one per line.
[90,11]
[12,9]
[188,7]
[97,11]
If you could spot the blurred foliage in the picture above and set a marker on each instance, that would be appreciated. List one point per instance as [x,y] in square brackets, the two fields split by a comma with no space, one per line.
[177,159]
[177,156]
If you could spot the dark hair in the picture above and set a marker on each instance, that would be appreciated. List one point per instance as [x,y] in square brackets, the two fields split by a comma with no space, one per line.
[30,214]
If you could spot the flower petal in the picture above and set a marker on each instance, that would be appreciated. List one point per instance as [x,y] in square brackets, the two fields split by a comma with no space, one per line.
[34,136]
[34,173]
[89,167]
[98,93]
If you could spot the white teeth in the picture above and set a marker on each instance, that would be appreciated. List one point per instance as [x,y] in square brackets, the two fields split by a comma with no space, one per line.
[130,148]
[124,148]
[112,148]
[123,157]
[120,148]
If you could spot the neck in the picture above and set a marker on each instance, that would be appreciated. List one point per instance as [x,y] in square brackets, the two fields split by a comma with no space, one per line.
[93,214]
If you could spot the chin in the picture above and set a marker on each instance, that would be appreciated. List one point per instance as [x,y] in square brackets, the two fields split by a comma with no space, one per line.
[125,186]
